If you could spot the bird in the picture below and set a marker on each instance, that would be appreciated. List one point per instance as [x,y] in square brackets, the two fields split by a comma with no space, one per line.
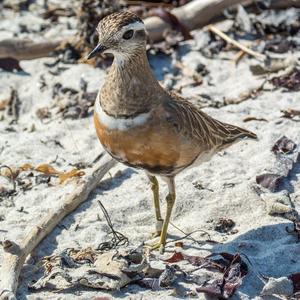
[144,126]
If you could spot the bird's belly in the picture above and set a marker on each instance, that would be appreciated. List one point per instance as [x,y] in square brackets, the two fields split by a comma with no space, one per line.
[149,146]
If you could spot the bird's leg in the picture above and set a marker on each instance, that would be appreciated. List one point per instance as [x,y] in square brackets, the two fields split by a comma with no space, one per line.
[159,220]
[170,203]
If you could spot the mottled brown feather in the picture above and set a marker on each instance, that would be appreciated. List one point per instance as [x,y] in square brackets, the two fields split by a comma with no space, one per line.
[197,124]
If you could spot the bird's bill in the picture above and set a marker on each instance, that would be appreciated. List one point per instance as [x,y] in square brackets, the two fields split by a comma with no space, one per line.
[97,50]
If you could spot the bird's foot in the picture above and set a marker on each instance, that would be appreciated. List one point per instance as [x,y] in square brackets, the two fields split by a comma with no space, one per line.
[155,244]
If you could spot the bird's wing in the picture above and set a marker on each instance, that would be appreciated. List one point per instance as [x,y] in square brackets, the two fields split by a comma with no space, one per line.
[196,124]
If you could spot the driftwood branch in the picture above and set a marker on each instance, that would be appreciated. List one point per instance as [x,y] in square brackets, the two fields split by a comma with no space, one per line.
[195,14]
[16,253]
[199,13]
[26,49]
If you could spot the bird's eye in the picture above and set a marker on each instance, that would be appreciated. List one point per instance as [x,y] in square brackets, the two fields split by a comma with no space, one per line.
[128,35]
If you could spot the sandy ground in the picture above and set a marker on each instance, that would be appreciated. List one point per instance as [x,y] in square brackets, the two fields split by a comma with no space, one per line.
[227,179]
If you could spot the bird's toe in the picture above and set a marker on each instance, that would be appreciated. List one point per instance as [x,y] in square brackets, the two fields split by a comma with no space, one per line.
[155,244]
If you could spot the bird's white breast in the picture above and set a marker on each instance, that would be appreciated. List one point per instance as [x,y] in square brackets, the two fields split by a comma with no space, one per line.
[113,123]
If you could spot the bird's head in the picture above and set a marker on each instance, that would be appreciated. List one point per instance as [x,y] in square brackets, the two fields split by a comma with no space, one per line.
[121,34]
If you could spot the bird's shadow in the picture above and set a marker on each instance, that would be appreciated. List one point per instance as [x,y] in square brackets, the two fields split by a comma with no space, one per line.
[268,250]
[116,181]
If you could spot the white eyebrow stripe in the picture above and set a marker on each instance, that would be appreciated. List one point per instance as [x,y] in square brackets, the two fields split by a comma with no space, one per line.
[134,26]
[122,124]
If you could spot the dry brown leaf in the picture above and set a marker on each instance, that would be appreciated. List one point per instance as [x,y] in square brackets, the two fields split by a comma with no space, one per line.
[290,113]
[176,257]
[47,169]
[26,167]
[250,118]
[225,287]
[63,176]
[3,104]
[284,145]
[269,181]
[290,81]
[73,173]
[12,173]
[287,154]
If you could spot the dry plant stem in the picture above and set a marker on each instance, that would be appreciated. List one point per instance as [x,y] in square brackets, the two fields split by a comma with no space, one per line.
[26,49]
[238,57]
[195,14]
[15,254]
[235,43]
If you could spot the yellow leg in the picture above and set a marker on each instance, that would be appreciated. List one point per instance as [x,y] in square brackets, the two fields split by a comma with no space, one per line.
[155,190]
[170,203]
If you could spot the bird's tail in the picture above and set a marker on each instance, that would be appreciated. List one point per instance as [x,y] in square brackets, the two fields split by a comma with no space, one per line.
[236,134]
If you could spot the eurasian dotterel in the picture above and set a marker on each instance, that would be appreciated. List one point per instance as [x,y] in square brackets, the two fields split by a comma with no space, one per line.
[144,126]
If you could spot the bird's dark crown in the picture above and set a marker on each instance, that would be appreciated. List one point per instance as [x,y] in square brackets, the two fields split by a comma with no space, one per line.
[116,21]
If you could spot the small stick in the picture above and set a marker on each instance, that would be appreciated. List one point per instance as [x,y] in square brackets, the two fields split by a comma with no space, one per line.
[15,253]
[235,43]
[188,235]
[11,175]
[118,238]
[238,57]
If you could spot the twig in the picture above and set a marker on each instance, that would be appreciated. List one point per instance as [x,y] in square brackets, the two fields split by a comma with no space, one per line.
[118,238]
[11,175]
[235,43]
[13,105]
[188,235]
[238,57]
[16,253]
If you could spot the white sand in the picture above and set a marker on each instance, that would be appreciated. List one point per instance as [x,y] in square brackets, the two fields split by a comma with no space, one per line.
[127,197]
